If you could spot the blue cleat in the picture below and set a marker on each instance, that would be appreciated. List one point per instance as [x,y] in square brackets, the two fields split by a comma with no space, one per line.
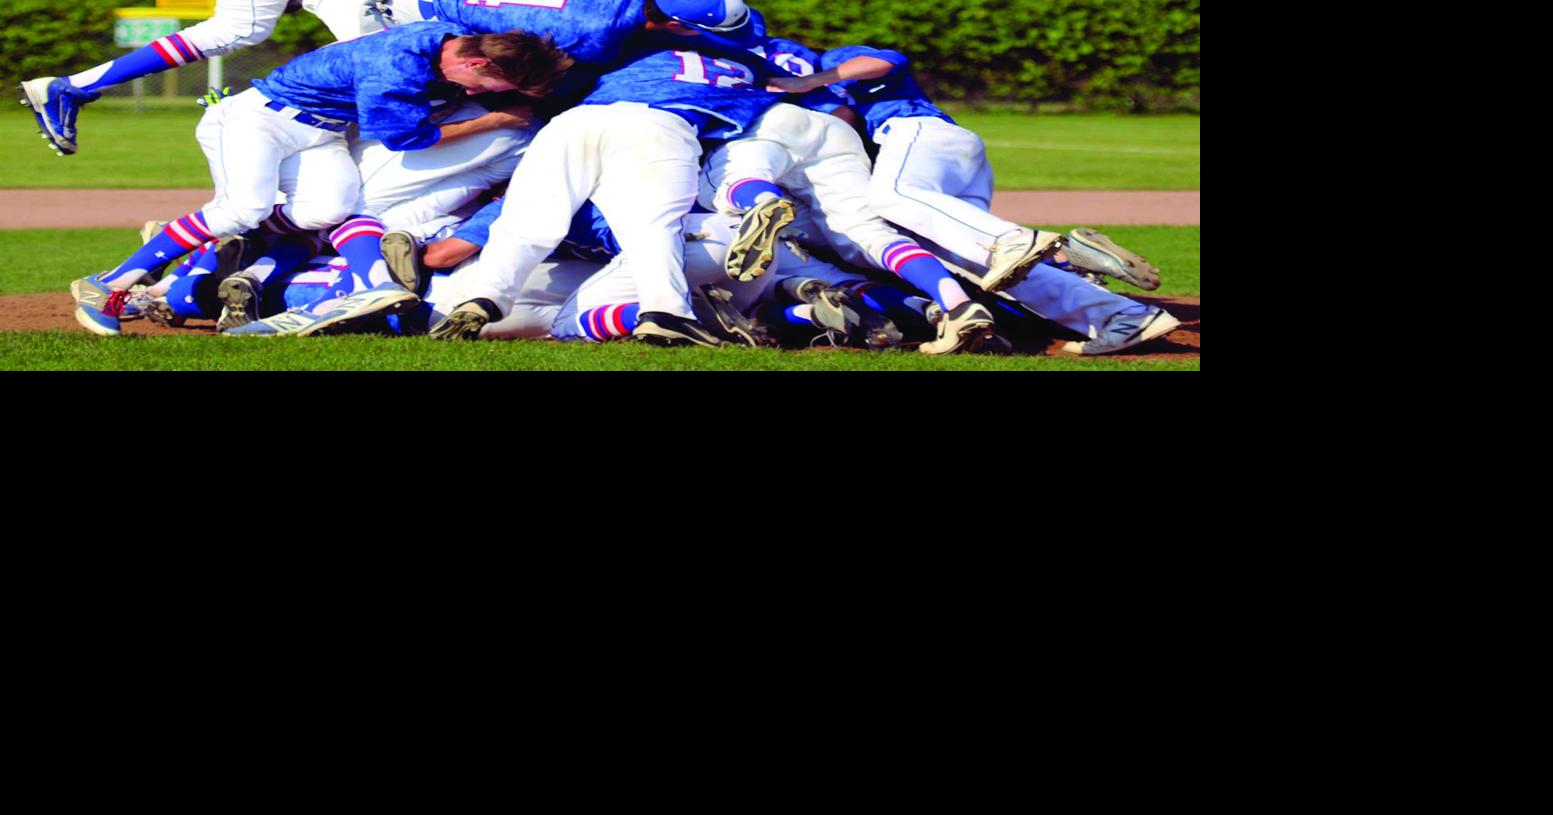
[97,307]
[359,311]
[55,104]
[1125,331]
[295,322]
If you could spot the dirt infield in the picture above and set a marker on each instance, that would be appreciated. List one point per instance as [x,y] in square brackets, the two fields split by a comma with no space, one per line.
[55,312]
[66,209]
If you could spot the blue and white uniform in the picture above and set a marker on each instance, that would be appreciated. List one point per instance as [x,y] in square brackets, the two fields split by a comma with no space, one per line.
[633,148]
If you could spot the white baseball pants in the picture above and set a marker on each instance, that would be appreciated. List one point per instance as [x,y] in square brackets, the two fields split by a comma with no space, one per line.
[416,190]
[933,178]
[817,159]
[235,25]
[638,164]
[255,153]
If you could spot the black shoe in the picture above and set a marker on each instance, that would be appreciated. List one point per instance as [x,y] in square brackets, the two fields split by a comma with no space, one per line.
[661,328]
[464,322]
[714,308]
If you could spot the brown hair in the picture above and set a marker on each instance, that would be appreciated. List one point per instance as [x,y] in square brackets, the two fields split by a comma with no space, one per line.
[534,63]
[655,14]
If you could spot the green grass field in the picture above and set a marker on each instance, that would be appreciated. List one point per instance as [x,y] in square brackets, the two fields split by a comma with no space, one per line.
[44,260]
[122,149]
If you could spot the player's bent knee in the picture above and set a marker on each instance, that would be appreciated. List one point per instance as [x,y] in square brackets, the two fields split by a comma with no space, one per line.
[321,215]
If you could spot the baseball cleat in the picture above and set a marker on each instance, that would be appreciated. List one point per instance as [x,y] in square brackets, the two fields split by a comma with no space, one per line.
[151,230]
[55,104]
[239,296]
[963,328]
[354,313]
[1013,256]
[403,258]
[158,311]
[463,323]
[97,307]
[292,322]
[753,251]
[842,312]
[722,318]
[1125,331]
[662,328]
[1091,251]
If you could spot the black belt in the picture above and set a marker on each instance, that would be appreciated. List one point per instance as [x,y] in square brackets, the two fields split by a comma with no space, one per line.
[309,119]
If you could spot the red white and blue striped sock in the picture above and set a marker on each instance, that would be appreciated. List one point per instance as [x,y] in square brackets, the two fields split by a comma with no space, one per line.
[360,241]
[745,194]
[918,267]
[608,322]
[177,239]
[167,52]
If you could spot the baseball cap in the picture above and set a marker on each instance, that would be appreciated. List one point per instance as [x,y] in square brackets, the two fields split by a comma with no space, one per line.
[725,21]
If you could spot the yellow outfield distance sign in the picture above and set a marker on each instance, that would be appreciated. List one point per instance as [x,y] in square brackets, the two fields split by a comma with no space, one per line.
[174,9]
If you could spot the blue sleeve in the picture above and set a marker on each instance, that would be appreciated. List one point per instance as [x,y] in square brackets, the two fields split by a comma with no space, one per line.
[477,230]
[400,117]
[834,57]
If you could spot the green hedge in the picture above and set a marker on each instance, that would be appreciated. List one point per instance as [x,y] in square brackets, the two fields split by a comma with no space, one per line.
[1123,55]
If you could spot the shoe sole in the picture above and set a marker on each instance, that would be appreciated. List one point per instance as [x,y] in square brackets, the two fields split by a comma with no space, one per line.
[970,336]
[460,325]
[1113,260]
[653,334]
[391,304]
[38,106]
[732,322]
[239,301]
[403,263]
[1020,269]
[162,314]
[86,322]
[1162,324]
[762,236]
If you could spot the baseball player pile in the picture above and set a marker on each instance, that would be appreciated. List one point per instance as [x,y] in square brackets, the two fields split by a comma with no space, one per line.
[587,170]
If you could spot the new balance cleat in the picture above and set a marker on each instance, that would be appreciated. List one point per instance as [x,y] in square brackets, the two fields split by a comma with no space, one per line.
[753,251]
[97,307]
[1013,256]
[291,323]
[716,311]
[463,323]
[55,104]
[1091,251]
[1125,331]
[662,328]
[239,296]
[963,328]
[136,304]
[843,314]
[362,310]
[403,258]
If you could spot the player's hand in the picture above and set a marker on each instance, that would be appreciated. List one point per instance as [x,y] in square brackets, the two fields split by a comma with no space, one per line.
[214,96]
[791,84]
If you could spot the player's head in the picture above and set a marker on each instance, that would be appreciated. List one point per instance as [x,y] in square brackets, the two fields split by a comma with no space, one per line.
[726,22]
[514,61]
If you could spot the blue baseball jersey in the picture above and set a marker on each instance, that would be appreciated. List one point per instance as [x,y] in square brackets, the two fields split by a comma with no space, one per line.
[800,60]
[589,238]
[895,95]
[588,30]
[720,93]
[379,81]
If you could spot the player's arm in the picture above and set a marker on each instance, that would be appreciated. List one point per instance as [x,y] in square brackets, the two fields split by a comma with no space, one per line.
[517,117]
[856,68]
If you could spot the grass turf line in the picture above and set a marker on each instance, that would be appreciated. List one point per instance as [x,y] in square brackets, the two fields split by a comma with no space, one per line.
[121,149]
[45,260]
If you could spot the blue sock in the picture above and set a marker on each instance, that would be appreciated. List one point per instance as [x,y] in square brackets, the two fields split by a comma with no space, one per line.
[746,194]
[920,268]
[283,255]
[887,298]
[193,295]
[167,52]
[360,241]
[609,322]
[177,239]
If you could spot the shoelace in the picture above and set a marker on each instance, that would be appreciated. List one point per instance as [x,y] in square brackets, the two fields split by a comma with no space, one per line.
[115,305]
